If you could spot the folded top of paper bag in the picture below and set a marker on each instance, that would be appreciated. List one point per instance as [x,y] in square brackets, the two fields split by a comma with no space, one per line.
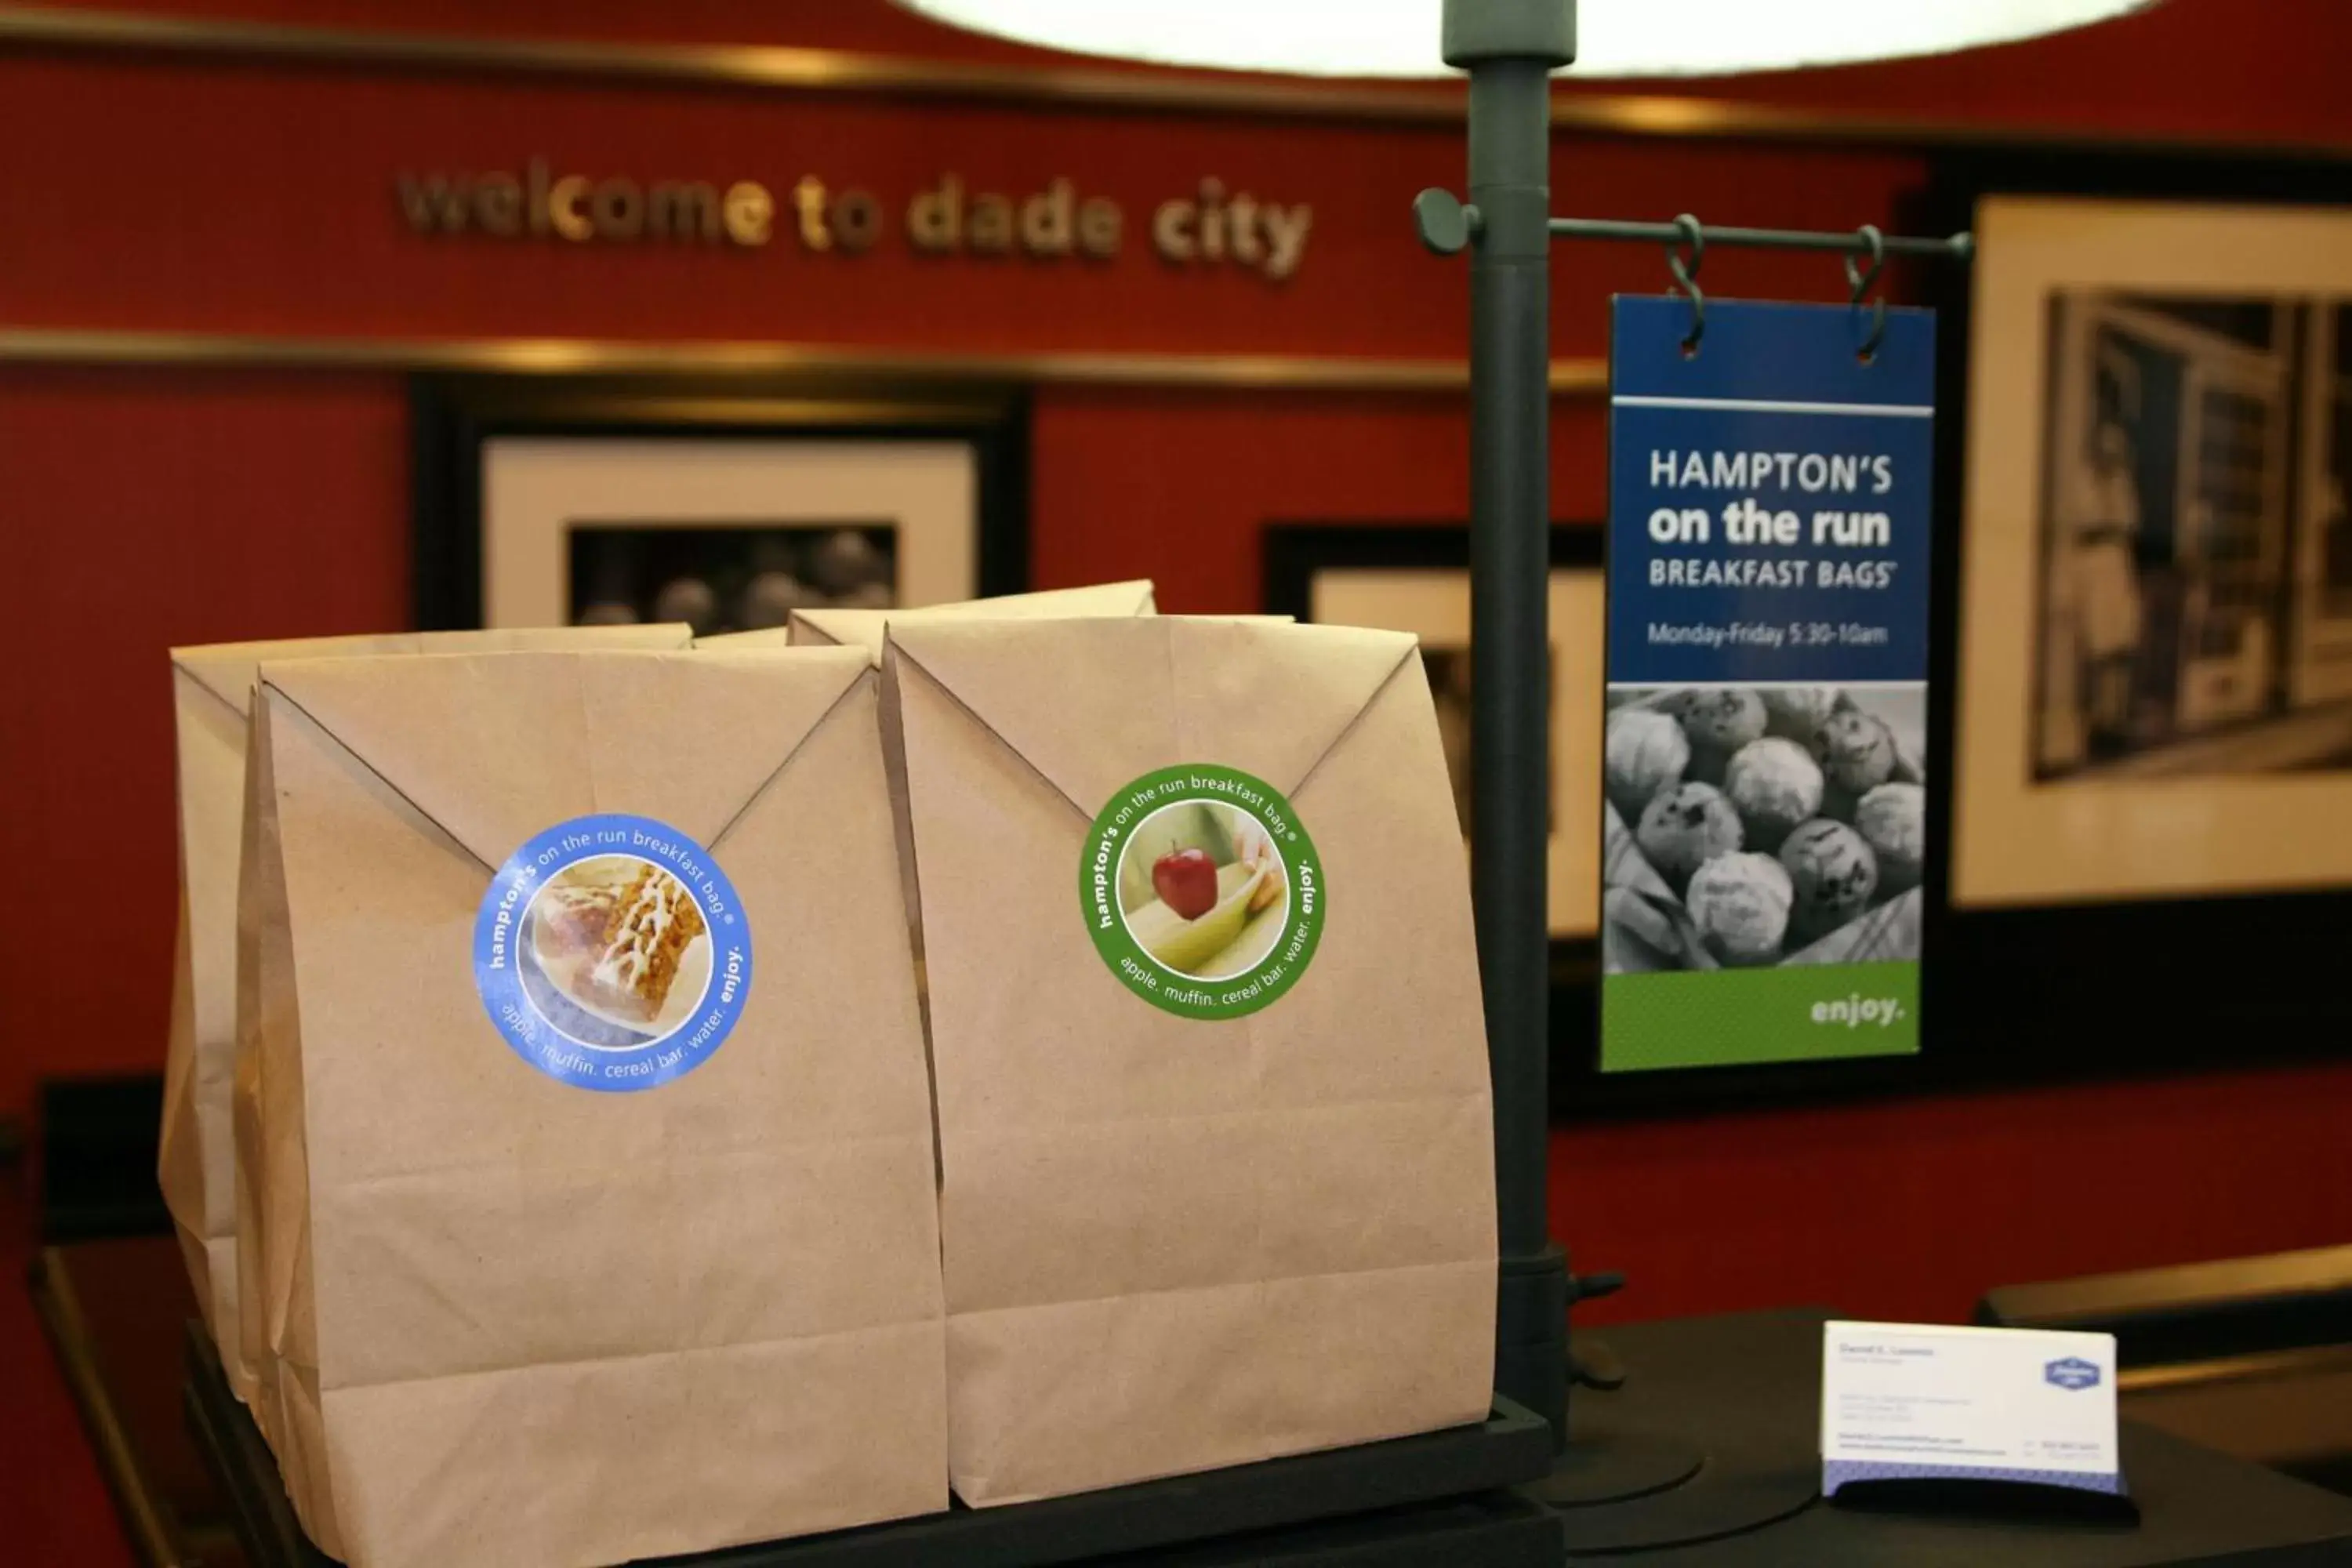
[866,628]
[645,727]
[1264,693]
[226,669]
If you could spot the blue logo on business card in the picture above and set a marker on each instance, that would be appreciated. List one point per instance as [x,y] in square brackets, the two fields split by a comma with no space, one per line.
[2071,1373]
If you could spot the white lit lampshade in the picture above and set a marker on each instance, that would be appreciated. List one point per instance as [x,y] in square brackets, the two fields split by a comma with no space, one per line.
[1614,38]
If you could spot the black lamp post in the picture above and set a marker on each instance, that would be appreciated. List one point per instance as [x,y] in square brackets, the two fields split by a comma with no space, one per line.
[1510,47]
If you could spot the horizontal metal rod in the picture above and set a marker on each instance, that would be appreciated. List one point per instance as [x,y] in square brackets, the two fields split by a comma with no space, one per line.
[1958,246]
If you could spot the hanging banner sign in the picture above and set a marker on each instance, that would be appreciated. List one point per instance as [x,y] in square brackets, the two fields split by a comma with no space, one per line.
[1770,498]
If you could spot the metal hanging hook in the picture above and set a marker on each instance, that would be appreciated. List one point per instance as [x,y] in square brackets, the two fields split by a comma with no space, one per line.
[1862,279]
[1686,276]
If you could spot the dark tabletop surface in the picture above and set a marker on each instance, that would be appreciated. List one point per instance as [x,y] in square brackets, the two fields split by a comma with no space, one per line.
[1746,1388]
[1743,1390]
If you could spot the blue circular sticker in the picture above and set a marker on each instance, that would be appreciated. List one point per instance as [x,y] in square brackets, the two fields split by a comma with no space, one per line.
[613,954]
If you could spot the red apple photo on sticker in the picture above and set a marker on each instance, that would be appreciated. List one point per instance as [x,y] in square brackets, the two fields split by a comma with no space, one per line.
[1203,890]
[1186,881]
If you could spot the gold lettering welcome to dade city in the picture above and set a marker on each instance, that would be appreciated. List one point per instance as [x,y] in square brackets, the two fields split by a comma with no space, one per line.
[1206,228]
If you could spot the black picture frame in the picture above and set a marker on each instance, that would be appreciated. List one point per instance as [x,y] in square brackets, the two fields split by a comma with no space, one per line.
[451,416]
[2081,992]
[2100,988]
[1294,554]
[2003,1004]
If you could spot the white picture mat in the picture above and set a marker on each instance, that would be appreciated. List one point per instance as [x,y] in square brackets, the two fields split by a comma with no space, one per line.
[1434,604]
[2014,841]
[535,487]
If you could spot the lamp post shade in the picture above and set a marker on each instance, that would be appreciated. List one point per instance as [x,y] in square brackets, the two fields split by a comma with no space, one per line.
[1614,38]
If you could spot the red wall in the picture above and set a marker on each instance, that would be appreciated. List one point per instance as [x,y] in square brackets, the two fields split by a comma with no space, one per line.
[216,197]
[138,510]
[144,507]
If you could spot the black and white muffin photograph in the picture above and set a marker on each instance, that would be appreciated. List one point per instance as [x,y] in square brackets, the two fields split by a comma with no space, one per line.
[1749,827]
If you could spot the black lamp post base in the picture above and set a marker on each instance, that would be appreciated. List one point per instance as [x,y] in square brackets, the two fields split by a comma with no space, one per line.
[1630,1491]
[1618,1467]
[1708,1435]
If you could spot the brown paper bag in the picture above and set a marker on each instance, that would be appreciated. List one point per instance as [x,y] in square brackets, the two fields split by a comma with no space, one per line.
[211,688]
[1211,1094]
[601,1211]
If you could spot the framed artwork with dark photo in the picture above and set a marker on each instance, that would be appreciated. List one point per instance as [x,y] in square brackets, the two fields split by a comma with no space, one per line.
[746,574]
[2143,709]
[1415,577]
[548,501]
[2157,491]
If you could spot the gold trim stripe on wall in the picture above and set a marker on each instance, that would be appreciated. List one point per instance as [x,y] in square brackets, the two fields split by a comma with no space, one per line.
[783,68]
[560,356]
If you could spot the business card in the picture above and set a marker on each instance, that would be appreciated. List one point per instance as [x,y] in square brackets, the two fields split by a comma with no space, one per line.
[1910,1401]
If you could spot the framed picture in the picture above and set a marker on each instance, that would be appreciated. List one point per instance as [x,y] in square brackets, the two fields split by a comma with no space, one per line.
[2139,736]
[551,501]
[2160,435]
[2125,870]
[1416,578]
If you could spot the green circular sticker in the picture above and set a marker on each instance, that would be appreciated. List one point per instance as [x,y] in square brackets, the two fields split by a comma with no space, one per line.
[1202,890]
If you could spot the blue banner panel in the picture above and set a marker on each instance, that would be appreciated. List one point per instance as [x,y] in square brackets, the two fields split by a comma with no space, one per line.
[1771,496]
